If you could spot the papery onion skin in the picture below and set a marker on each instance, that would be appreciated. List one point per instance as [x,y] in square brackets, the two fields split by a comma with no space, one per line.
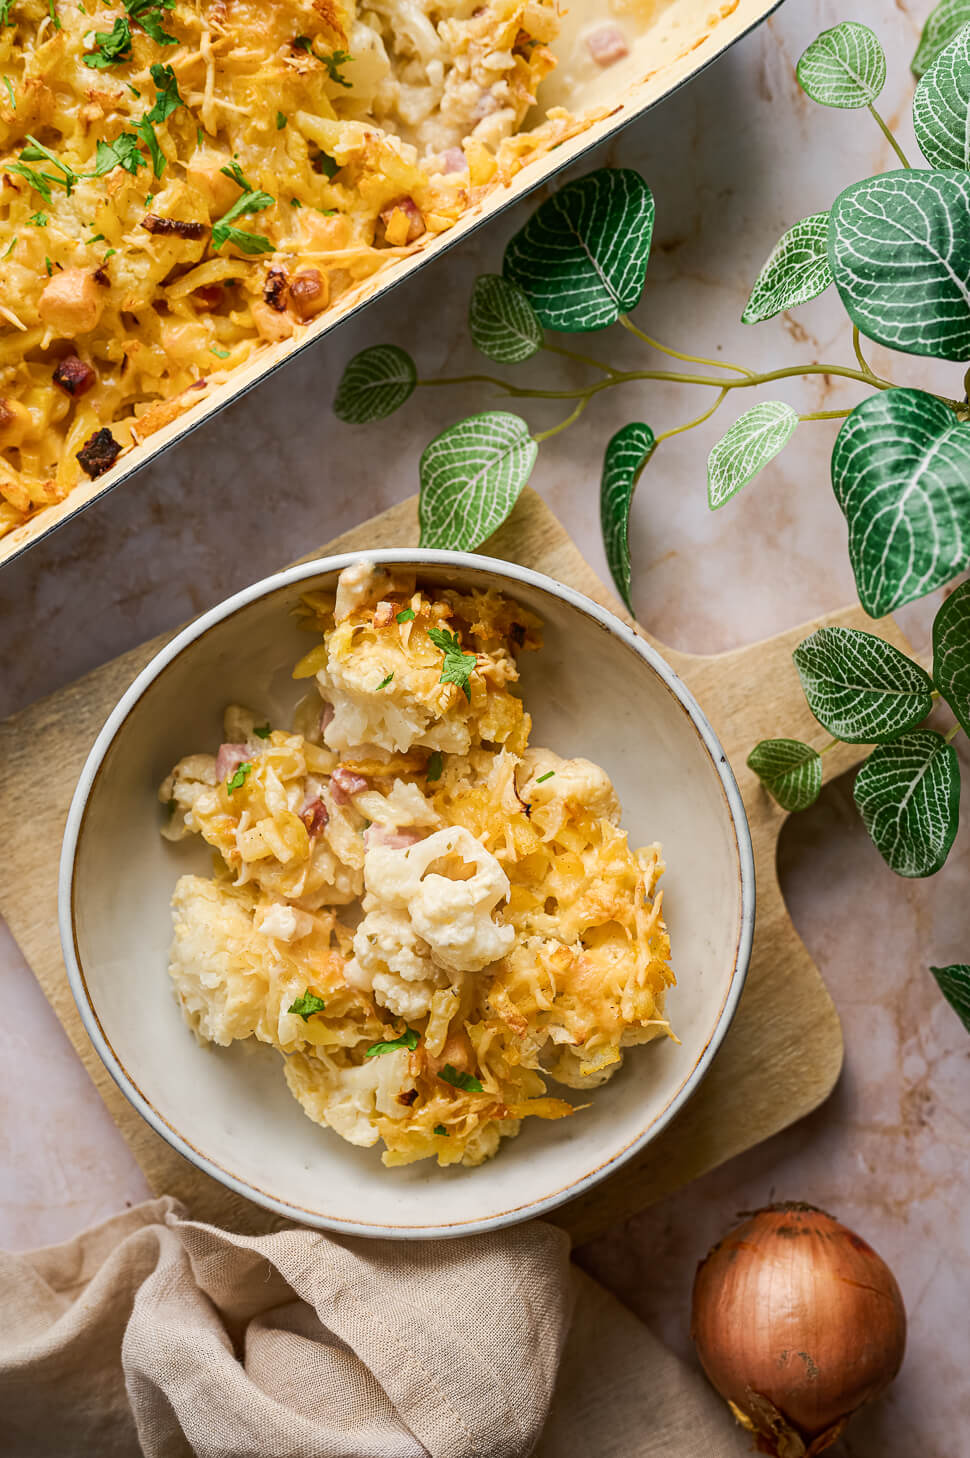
[794,1308]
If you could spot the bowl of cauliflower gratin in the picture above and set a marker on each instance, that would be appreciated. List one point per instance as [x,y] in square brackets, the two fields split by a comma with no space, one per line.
[353,913]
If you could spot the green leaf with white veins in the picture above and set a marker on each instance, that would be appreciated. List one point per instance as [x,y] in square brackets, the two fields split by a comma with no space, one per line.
[899,249]
[844,66]
[796,270]
[471,477]
[951,653]
[582,257]
[901,474]
[752,441]
[626,455]
[939,30]
[502,322]
[954,983]
[375,383]
[790,771]
[859,687]
[941,106]
[908,794]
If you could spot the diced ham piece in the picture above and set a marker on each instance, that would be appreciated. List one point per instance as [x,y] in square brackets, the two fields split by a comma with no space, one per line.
[607,44]
[391,839]
[454,160]
[403,222]
[384,613]
[74,376]
[230,756]
[344,783]
[315,816]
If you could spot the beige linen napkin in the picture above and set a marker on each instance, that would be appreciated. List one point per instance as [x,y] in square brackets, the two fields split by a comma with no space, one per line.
[155,1334]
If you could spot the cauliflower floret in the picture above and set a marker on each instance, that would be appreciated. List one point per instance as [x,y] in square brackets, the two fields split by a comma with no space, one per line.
[350,1100]
[545,779]
[192,778]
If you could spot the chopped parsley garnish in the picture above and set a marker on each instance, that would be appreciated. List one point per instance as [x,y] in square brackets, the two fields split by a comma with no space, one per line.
[148,14]
[252,201]
[5,11]
[167,97]
[222,354]
[110,254]
[280,121]
[133,89]
[149,199]
[435,765]
[303,42]
[33,153]
[53,14]
[332,63]
[262,731]
[49,266]
[295,202]
[307,1005]
[199,137]
[328,212]
[239,776]
[98,238]
[458,666]
[460,1080]
[326,165]
[406,615]
[123,152]
[13,244]
[38,180]
[408,1039]
[440,1129]
[9,85]
[547,776]
[112,46]
[146,131]
[38,220]
[385,681]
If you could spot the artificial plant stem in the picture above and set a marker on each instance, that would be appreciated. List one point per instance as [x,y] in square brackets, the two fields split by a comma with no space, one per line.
[826,747]
[679,429]
[723,364]
[575,354]
[472,380]
[563,424]
[949,738]
[825,415]
[888,135]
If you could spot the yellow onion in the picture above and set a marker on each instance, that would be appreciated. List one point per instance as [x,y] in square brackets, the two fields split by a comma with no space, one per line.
[797,1322]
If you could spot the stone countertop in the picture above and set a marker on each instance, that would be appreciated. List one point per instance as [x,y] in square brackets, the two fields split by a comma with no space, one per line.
[733,160]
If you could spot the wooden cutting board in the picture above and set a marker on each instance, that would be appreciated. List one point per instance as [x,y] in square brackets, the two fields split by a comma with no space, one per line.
[783,1053]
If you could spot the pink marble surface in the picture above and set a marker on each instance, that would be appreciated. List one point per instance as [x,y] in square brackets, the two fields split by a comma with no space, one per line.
[733,160]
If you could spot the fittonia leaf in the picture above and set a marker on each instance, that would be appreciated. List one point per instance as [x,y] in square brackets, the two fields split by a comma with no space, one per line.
[626,455]
[908,794]
[375,383]
[790,771]
[951,652]
[471,477]
[796,270]
[501,321]
[844,66]
[861,688]
[752,441]
[582,257]
[941,106]
[954,983]
[901,474]
[942,25]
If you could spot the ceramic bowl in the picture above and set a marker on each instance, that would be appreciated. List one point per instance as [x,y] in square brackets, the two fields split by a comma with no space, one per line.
[595,689]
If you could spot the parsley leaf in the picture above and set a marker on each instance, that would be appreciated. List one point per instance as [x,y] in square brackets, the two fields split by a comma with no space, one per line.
[5,11]
[98,238]
[49,266]
[262,731]
[280,121]
[13,244]
[9,85]
[307,1005]
[385,681]
[53,14]
[295,202]
[222,354]
[547,776]
[252,201]
[37,180]
[406,616]
[113,46]
[38,220]
[148,14]
[339,58]
[303,42]
[239,776]
[36,150]
[326,165]
[146,131]
[435,765]
[460,1080]
[167,96]
[440,1129]
[123,152]
[408,1039]
[458,666]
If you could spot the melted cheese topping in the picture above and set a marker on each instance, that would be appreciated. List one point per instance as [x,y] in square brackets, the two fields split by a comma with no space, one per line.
[467,925]
[365,129]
